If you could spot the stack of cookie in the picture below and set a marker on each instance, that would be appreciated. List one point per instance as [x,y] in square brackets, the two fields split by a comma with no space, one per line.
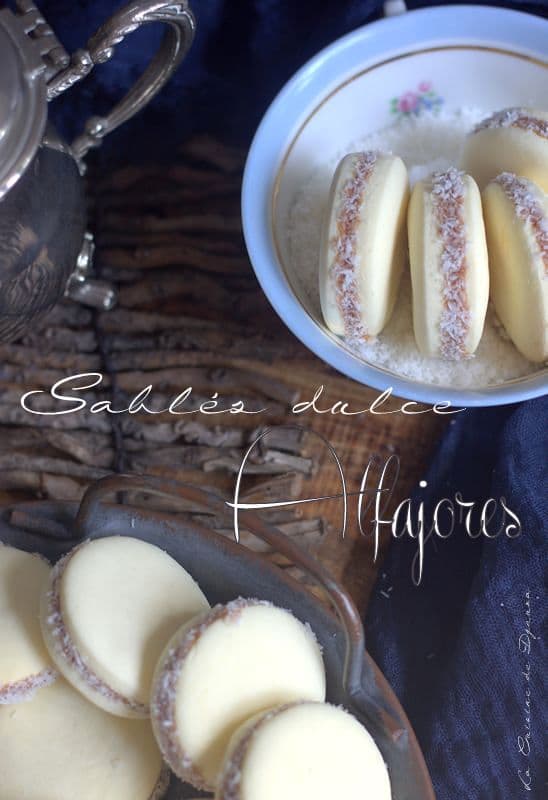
[474,233]
[114,669]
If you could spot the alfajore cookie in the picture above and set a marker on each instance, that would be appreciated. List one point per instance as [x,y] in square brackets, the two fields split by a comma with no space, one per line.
[109,609]
[516,220]
[237,660]
[304,751]
[449,265]
[60,746]
[362,249]
[25,665]
[512,140]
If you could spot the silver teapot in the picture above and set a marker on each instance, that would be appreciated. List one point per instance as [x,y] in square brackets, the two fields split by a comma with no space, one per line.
[45,249]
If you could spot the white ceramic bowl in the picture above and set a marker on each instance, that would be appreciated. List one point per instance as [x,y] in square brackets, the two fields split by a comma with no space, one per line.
[474,56]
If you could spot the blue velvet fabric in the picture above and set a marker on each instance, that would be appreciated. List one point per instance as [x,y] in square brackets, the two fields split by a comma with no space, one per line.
[455,647]
[451,647]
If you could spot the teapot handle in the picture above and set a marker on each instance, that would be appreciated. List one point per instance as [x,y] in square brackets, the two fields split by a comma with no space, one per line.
[100,48]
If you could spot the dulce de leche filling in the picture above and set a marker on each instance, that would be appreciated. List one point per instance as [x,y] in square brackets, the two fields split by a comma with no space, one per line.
[448,205]
[344,267]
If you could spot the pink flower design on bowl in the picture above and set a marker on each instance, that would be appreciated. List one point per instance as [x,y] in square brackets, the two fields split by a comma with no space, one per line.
[414,103]
[408,102]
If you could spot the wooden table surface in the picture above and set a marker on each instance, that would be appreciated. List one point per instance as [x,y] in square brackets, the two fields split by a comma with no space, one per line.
[191,313]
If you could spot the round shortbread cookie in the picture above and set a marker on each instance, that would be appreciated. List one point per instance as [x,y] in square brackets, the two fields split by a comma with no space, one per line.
[305,751]
[25,665]
[516,220]
[62,747]
[236,661]
[110,607]
[449,265]
[513,140]
[363,249]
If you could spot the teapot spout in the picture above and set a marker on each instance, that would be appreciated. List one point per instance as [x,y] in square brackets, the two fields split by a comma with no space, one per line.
[86,290]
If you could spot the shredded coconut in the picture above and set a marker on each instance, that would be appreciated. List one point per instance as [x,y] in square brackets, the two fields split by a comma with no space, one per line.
[448,204]
[344,267]
[427,144]
[515,118]
[25,689]
[524,197]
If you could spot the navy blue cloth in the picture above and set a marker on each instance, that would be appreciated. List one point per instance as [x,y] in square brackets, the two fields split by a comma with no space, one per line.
[454,647]
[245,50]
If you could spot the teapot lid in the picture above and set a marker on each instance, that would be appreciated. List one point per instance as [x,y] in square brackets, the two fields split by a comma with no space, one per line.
[23,104]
